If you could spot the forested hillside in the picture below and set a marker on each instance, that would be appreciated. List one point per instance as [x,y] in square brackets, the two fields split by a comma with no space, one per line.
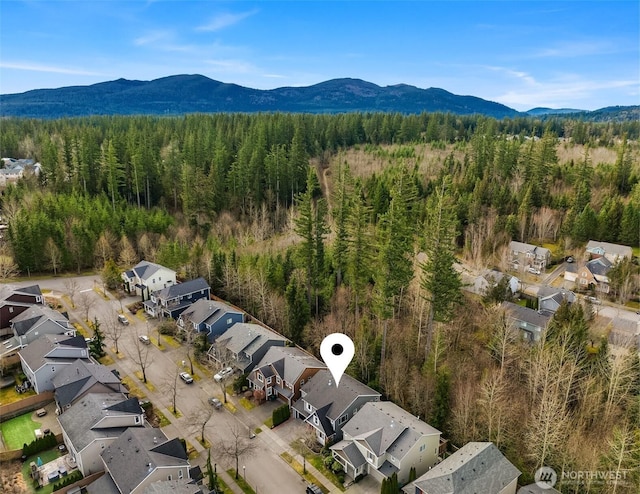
[352,223]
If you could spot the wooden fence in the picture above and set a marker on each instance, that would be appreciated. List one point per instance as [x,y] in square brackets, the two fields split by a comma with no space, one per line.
[25,405]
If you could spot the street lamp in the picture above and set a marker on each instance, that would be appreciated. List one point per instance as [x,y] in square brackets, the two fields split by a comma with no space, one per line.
[304,458]
[244,473]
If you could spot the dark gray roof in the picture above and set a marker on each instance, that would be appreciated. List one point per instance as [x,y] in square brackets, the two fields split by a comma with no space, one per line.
[247,338]
[178,486]
[526,314]
[325,423]
[290,362]
[350,451]
[35,354]
[145,269]
[534,249]
[78,377]
[600,266]
[474,468]
[208,311]
[81,421]
[558,294]
[615,249]
[320,392]
[385,427]
[182,289]
[25,321]
[139,451]
[104,485]
[7,290]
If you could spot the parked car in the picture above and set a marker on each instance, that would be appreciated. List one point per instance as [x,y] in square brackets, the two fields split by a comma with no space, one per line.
[144,339]
[223,374]
[215,402]
[313,489]
[533,270]
[594,300]
[570,259]
[186,377]
[122,319]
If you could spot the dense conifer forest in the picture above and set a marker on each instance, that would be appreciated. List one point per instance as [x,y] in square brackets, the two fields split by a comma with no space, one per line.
[354,223]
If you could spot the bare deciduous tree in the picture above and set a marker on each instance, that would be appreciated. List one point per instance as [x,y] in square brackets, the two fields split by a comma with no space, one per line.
[199,418]
[113,329]
[86,301]
[170,386]
[139,353]
[71,285]
[8,268]
[53,255]
[128,256]
[237,446]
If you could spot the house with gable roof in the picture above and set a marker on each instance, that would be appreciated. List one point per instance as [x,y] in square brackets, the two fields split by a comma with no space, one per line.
[382,439]
[528,322]
[48,356]
[147,277]
[14,301]
[550,298]
[172,301]
[476,467]
[244,345]
[281,373]
[94,422]
[613,252]
[144,460]
[210,316]
[593,273]
[523,256]
[327,407]
[81,378]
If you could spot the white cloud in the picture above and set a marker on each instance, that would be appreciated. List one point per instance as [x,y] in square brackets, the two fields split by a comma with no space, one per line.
[222,21]
[571,49]
[153,37]
[36,67]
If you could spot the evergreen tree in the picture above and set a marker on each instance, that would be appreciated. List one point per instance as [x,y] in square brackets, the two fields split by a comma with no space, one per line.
[97,344]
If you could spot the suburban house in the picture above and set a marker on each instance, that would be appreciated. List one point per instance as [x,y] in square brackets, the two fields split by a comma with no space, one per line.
[281,372]
[14,169]
[528,322]
[382,439]
[46,357]
[489,279]
[243,345]
[81,378]
[93,423]
[38,320]
[327,407]
[592,274]
[524,256]
[476,467]
[147,277]
[14,301]
[550,298]
[210,316]
[613,252]
[172,301]
[143,460]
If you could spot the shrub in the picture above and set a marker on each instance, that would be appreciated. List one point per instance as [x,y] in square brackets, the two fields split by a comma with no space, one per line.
[68,480]
[48,441]
[280,415]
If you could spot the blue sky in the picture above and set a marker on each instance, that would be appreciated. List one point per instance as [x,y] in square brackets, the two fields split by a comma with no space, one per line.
[523,54]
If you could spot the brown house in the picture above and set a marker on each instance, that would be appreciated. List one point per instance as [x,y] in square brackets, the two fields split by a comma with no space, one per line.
[14,301]
[281,373]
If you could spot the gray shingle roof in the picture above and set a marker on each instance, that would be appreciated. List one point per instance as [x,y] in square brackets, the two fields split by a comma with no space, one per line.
[615,249]
[80,421]
[145,269]
[182,289]
[320,391]
[79,377]
[600,266]
[290,362]
[22,323]
[385,427]
[35,354]
[526,314]
[246,337]
[351,452]
[139,451]
[474,468]
[558,294]
[207,311]
[524,248]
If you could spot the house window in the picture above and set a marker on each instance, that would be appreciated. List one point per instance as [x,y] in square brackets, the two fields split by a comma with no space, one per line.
[180,474]
[260,377]
[308,406]
[159,278]
[201,292]
[422,448]
[342,419]
[136,419]
[369,456]
[277,380]
[301,382]
[315,420]
[229,321]
[169,477]
[53,369]
[10,309]
[268,380]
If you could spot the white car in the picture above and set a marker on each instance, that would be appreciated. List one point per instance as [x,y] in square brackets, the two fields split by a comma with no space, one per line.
[223,374]
[186,377]
[533,270]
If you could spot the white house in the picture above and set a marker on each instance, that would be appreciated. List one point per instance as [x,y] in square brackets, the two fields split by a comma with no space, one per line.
[147,277]
[613,252]
[383,439]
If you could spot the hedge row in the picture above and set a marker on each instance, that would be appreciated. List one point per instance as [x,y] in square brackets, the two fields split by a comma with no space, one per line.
[47,441]
[281,414]
[68,480]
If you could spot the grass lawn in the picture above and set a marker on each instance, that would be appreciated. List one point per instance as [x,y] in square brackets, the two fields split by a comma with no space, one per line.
[316,461]
[300,470]
[147,384]
[223,487]
[169,341]
[46,457]
[10,395]
[19,430]
[246,404]
[106,360]
[246,488]
[133,388]
[269,422]
[164,421]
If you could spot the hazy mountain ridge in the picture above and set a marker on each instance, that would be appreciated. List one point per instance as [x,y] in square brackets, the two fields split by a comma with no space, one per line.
[179,94]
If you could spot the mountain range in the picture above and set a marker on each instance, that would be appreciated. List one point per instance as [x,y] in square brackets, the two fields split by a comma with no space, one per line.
[180,94]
